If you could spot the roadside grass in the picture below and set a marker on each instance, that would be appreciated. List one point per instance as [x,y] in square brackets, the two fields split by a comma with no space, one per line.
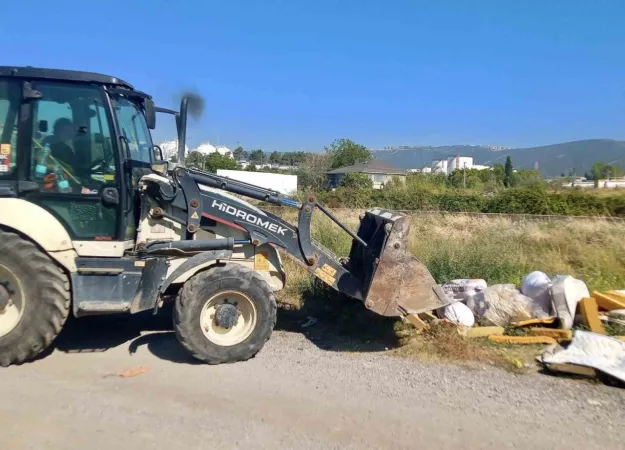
[499,250]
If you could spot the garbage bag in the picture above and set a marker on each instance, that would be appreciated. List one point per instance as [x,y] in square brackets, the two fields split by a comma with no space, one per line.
[457,313]
[536,285]
[464,288]
[501,304]
[566,292]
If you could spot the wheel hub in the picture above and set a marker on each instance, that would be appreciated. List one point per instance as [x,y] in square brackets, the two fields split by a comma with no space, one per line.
[5,295]
[12,300]
[226,315]
[228,318]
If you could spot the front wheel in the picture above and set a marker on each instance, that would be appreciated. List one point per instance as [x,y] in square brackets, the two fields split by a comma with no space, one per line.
[225,314]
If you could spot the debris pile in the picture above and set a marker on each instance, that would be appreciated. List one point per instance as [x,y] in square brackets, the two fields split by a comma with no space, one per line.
[558,312]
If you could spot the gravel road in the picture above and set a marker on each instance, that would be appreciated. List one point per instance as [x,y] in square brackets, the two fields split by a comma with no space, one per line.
[297,393]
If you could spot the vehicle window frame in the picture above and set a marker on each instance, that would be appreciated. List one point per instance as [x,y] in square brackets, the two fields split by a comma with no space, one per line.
[115,97]
[14,144]
[40,197]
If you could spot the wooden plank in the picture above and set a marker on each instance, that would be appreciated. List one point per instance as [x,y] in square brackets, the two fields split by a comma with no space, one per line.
[427,316]
[523,339]
[416,321]
[477,332]
[524,323]
[573,369]
[618,295]
[560,335]
[608,301]
[590,314]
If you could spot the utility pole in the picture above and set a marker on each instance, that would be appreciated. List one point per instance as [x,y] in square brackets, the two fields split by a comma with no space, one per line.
[464,175]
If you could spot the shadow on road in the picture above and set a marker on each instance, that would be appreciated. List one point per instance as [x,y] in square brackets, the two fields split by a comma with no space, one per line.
[101,333]
[329,321]
[338,323]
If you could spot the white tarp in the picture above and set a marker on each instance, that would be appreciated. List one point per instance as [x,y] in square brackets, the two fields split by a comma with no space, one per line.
[598,351]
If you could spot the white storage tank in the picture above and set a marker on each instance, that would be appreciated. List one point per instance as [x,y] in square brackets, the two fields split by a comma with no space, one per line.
[459,162]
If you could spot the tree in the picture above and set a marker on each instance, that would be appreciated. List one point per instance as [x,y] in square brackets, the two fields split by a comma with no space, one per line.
[195,159]
[312,174]
[345,152]
[215,161]
[251,167]
[356,181]
[509,171]
[603,170]
[527,178]
[239,153]
[275,158]
[258,156]
[472,177]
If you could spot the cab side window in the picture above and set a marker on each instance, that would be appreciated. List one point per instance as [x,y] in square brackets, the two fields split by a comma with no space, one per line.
[72,149]
[10,95]
[72,158]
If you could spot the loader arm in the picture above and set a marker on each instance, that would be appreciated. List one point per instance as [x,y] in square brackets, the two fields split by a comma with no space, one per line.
[389,281]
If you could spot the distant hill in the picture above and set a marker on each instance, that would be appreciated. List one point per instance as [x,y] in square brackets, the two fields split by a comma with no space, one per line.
[552,159]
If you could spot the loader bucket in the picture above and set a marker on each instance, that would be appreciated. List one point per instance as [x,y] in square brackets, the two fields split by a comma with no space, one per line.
[395,283]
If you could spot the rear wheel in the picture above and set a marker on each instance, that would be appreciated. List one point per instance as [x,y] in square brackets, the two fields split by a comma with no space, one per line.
[34,299]
[225,314]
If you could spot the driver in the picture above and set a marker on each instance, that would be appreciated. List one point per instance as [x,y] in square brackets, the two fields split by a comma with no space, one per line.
[61,141]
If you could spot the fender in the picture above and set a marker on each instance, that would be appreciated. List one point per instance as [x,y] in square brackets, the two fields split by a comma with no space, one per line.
[195,262]
[41,227]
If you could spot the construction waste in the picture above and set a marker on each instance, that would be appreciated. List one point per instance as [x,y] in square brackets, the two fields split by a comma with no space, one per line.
[553,311]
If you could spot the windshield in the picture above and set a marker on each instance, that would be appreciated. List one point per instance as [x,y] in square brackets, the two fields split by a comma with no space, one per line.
[133,127]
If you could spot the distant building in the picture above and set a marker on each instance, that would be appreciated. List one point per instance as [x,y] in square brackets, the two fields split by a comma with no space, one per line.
[379,172]
[207,148]
[450,164]
[170,148]
[439,166]
[459,163]
[421,170]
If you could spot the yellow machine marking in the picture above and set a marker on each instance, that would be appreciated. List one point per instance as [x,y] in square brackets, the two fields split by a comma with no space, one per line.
[329,270]
[195,215]
[324,276]
[5,149]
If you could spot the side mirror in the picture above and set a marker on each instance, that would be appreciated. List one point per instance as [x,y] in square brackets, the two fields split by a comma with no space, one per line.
[158,153]
[150,113]
[160,168]
[43,126]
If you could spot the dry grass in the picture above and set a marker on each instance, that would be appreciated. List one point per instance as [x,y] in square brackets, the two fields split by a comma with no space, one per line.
[443,342]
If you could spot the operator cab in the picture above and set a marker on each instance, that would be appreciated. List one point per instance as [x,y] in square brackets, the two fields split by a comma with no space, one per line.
[75,143]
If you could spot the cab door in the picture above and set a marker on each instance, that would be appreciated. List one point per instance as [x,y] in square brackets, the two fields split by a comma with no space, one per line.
[73,166]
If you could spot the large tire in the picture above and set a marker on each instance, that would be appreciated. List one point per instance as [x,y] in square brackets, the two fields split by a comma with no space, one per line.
[248,291]
[44,294]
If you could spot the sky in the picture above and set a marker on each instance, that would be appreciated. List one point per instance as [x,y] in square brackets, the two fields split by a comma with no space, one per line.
[296,74]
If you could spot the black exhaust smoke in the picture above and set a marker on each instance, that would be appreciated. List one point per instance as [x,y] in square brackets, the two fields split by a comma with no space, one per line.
[192,104]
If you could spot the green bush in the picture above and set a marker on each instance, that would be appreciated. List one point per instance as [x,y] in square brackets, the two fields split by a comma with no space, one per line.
[415,195]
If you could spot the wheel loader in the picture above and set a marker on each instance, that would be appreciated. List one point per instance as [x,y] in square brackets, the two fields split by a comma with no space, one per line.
[93,220]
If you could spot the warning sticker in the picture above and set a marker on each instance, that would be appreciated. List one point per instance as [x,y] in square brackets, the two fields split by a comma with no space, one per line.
[329,270]
[195,215]
[5,149]
[261,261]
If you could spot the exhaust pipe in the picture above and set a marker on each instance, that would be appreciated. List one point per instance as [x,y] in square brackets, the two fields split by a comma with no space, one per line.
[181,123]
